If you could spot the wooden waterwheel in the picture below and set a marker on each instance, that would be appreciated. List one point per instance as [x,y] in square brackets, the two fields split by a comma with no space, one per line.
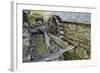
[55,26]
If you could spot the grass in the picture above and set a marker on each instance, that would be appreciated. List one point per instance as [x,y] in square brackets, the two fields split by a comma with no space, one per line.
[40,45]
[79,32]
[71,56]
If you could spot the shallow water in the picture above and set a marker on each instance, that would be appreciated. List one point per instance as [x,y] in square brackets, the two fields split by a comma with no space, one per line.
[80,17]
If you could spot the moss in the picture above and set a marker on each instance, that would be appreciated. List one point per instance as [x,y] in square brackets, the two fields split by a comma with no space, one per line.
[40,45]
[71,56]
[33,15]
[80,33]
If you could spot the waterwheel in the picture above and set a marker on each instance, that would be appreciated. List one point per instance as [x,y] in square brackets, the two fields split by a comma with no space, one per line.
[55,26]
